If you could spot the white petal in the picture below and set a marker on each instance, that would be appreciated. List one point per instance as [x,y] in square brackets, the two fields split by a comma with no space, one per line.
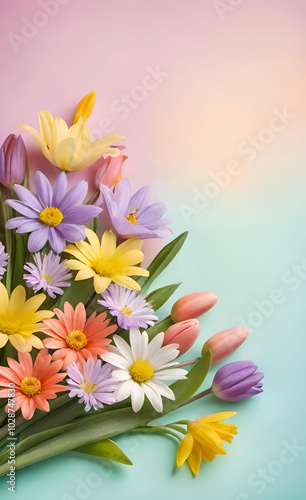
[115,360]
[154,397]
[121,375]
[163,389]
[155,345]
[164,355]
[171,374]
[124,348]
[137,396]
[138,343]
[125,389]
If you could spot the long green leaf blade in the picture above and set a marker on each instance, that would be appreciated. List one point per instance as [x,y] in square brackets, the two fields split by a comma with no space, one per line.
[105,449]
[162,260]
[160,296]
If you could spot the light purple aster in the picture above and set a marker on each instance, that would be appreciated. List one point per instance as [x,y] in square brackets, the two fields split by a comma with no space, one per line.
[3,260]
[92,383]
[131,309]
[49,274]
[52,215]
[131,216]
[236,381]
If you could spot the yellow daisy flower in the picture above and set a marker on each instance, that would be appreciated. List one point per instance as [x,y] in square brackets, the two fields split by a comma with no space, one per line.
[105,262]
[205,440]
[19,319]
[70,148]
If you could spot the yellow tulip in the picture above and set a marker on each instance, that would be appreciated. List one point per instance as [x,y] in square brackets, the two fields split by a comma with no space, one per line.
[205,440]
[70,148]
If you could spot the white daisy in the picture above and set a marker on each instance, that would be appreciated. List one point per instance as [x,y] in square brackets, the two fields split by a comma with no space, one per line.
[142,367]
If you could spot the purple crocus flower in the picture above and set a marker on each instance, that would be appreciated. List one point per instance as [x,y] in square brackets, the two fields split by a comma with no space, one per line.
[53,216]
[131,309]
[236,381]
[92,383]
[13,161]
[130,216]
[49,274]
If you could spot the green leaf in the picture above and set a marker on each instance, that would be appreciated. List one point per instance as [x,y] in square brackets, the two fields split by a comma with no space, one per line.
[19,260]
[184,389]
[162,260]
[158,298]
[79,291]
[159,327]
[105,449]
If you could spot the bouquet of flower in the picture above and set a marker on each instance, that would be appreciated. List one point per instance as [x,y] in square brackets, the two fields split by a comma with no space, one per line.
[83,355]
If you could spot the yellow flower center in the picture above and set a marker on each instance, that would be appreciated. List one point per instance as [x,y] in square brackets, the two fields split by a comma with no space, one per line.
[101,267]
[88,387]
[141,371]
[48,278]
[127,311]
[30,386]
[9,324]
[131,217]
[76,340]
[51,216]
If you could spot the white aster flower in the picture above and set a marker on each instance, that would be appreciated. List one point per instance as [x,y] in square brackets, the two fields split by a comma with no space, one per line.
[142,367]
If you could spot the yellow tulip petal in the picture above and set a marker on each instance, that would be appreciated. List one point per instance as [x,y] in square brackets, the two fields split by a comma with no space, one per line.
[40,141]
[194,459]
[216,417]
[184,449]
[46,123]
[97,149]
[64,153]
[85,108]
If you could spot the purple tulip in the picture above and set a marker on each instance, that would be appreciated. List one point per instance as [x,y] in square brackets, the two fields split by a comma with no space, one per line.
[13,161]
[237,381]
[131,216]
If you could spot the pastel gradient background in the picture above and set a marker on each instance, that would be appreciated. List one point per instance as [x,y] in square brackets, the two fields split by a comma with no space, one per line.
[224,71]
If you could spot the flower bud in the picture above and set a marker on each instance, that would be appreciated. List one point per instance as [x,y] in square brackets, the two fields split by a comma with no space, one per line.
[224,343]
[13,161]
[184,333]
[110,170]
[193,305]
[237,381]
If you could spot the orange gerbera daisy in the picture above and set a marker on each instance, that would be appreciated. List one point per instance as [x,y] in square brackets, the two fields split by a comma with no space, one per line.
[75,338]
[29,387]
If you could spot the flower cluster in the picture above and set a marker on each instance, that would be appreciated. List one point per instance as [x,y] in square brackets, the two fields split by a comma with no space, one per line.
[76,316]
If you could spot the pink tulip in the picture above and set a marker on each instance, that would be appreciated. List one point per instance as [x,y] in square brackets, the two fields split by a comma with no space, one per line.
[110,170]
[184,333]
[224,343]
[193,305]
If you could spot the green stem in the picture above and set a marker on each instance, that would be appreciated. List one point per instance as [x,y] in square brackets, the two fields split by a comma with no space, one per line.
[187,363]
[195,398]
[156,429]
[177,428]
